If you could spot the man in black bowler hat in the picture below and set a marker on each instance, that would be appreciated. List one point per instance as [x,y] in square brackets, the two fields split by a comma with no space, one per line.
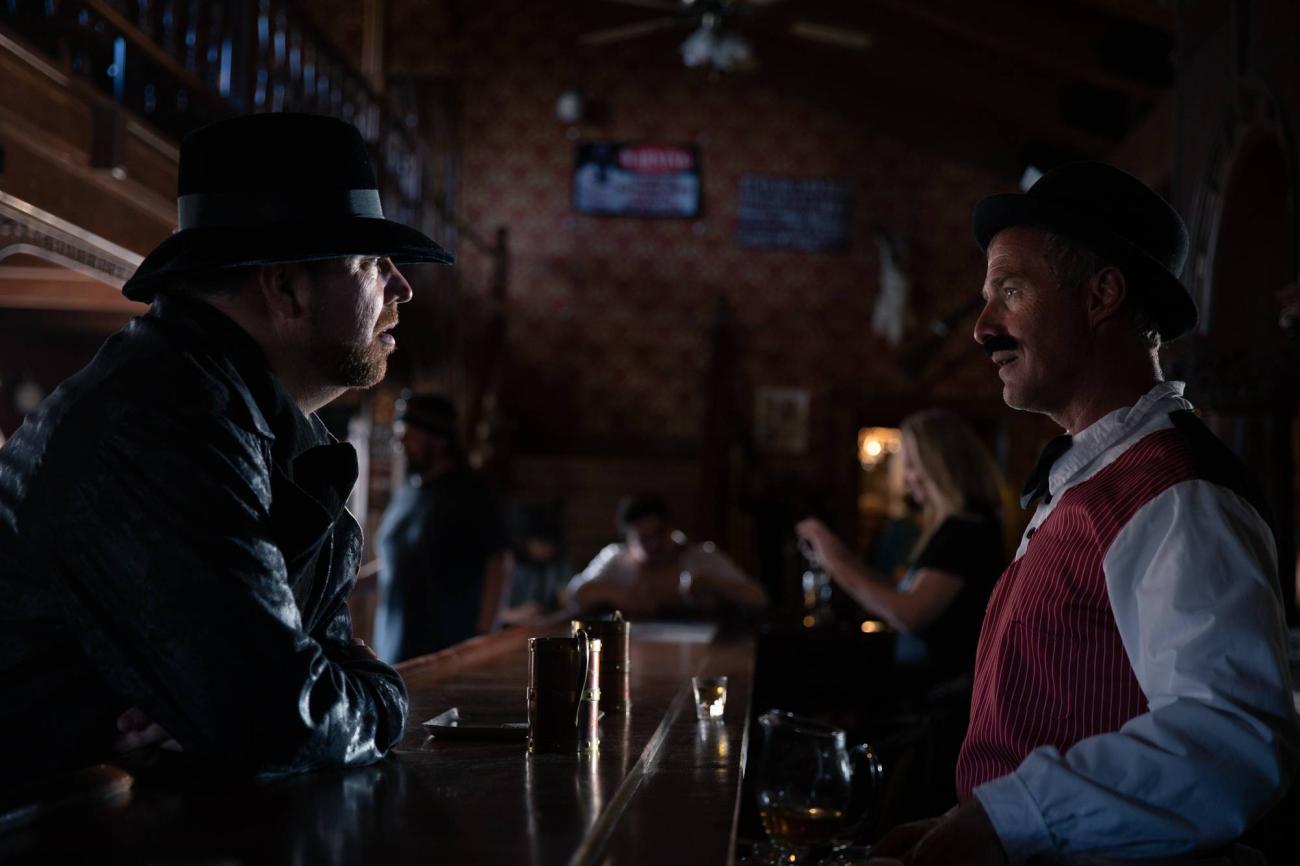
[1132,698]
[175,554]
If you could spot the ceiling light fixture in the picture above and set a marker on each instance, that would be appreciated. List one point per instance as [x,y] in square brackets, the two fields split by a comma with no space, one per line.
[712,45]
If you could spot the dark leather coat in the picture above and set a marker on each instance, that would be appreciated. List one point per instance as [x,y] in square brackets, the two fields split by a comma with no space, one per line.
[173,536]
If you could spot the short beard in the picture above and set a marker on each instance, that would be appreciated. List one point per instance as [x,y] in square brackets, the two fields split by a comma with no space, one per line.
[351,366]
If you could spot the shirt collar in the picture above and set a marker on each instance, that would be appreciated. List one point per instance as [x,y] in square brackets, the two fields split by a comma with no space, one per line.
[1109,430]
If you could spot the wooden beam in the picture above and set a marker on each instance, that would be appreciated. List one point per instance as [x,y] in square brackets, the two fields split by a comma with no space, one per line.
[930,122]
[966,79]
[39,271]
[58,290]
[435,50]
[372,42]
[1156,14]
[42,324]
[123,189]
[1046,40]
[1148,152]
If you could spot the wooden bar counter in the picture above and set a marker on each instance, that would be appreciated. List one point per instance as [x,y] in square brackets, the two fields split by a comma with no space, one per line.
[663,788]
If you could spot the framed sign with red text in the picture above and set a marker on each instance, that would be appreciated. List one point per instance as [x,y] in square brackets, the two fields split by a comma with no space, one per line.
[648,180]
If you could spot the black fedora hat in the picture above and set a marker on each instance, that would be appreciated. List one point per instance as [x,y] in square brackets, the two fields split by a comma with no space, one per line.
[265,188]
[1117,216]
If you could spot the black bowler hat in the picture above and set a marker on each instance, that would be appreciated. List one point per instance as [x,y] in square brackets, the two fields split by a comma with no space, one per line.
[265,188]
[433,412]
[1114,214]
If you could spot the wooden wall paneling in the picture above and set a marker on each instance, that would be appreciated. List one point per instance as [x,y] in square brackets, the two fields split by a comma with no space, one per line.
[1236,181]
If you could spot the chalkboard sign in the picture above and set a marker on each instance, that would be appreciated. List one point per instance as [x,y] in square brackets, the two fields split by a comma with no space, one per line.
[793,213]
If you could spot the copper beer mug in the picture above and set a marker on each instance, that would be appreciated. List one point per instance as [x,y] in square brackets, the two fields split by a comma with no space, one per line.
[563,694]
[615,697]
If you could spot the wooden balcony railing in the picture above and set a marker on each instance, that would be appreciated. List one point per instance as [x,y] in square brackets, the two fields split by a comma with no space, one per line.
[178,64]
[174,65]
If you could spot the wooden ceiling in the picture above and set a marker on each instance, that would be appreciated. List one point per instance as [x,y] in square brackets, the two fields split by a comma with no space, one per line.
[1054,80]
[1003,83]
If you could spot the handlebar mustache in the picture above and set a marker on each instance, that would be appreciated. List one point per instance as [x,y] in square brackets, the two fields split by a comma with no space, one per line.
[999,343]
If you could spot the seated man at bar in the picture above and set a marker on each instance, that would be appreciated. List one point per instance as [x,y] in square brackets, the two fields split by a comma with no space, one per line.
[441,543]
[175,554]
[537,568]
[1132,697]
[656,571]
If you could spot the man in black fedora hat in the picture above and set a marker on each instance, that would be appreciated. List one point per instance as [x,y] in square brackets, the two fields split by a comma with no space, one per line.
[175,554]
[1132,698]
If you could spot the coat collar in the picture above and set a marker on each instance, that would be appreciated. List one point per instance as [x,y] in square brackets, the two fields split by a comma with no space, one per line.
[302,449]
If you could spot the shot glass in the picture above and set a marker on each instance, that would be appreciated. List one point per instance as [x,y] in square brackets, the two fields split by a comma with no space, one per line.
[710,697]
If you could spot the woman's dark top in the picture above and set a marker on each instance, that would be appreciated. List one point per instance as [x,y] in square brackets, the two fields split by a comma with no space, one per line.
[967,546]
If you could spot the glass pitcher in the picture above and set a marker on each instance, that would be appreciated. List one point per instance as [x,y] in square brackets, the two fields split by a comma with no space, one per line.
[807,797]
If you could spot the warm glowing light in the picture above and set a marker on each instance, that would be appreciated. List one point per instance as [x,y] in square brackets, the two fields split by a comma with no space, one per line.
[876,443]
[809,621]
[871,626]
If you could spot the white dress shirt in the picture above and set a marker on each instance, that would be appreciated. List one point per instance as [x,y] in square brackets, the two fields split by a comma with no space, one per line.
[1191,582]
[615,564]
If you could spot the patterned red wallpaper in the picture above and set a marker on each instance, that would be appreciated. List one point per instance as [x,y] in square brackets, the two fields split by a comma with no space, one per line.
[609,316]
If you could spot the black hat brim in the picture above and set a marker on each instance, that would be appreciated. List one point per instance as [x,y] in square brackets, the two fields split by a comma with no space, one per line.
[200,250]
[1172,303]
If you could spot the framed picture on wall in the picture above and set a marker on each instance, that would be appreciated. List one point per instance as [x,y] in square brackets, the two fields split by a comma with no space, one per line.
[613,178]
[781,420]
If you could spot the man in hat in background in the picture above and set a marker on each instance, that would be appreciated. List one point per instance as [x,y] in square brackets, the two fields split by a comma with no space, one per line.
[442,546]
[1132,697]
[175,555]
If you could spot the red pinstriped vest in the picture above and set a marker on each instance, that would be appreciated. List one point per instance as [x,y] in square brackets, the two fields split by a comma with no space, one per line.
[1051,669]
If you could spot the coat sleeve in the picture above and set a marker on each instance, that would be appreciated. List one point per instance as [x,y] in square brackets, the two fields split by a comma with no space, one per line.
[166,561]
[335,637]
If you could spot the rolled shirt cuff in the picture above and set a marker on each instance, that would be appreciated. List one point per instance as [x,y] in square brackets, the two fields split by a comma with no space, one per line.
[1016,818]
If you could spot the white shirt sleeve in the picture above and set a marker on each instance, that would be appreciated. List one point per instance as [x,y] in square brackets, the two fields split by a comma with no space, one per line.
[602,565]
[1191,583]
[707,559]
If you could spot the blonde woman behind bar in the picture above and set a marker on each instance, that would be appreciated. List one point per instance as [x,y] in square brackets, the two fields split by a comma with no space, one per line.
[939,604]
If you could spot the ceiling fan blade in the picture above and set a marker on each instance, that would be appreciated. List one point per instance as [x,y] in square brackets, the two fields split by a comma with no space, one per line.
[624,32]
[657,5]
[841,37]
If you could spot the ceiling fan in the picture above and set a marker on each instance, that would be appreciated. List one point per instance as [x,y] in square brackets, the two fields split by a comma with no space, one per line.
[715,39]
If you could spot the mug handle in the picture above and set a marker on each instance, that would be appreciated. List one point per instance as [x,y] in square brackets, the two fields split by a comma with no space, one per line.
[586,671]
[861,755]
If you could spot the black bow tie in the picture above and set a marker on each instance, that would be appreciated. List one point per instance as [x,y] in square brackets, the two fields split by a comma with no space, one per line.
[1037,485]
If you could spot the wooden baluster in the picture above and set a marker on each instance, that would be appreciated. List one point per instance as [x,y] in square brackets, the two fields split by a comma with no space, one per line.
[191,57]
[310,69]
[262,55]
[212,48]
[167,30]
[297,87]
[278,62]
[144,17]
[241,31]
